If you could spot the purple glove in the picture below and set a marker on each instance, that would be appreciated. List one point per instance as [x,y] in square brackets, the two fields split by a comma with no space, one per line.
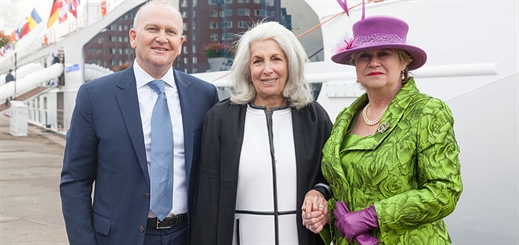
[340,211]
[355,223]
[366,239]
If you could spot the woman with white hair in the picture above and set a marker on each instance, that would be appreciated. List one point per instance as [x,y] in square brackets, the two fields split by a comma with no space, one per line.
[261,150]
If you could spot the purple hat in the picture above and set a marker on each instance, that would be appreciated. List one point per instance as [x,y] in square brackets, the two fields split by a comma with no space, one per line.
[378,32]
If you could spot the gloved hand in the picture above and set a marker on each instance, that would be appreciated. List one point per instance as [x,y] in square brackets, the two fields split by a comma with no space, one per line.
[366,239]
[352,224]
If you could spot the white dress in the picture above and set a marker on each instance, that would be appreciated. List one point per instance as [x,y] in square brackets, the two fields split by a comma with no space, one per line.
[266,180]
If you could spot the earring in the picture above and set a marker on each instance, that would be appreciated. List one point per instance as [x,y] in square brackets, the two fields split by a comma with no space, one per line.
[357,80]
[403,75]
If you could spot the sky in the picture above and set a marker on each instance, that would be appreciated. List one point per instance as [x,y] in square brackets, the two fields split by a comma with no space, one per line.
[14,12]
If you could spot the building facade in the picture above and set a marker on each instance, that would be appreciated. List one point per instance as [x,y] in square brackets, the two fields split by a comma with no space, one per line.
[205,22]
[111,47]
[221,21]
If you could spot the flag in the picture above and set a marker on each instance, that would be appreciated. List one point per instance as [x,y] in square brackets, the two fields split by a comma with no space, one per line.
[54,13]
[23,30]
[63,10]
[13,37]
[73,7]
[103,8]
[34,19]
[30,24]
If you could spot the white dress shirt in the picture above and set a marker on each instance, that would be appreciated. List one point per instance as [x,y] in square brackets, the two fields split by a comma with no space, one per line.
[147,98]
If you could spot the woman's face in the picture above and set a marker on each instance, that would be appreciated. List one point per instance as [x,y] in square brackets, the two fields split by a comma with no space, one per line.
[379,69]
[269,70]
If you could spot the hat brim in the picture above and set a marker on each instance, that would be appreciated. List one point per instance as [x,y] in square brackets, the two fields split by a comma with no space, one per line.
[419,55]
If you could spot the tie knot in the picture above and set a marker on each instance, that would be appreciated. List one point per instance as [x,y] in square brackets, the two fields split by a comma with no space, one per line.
[157,86]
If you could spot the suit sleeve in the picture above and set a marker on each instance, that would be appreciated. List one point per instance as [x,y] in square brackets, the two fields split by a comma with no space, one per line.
[78,173]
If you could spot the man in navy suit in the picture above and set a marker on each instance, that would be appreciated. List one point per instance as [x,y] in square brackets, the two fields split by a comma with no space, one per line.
[109,141]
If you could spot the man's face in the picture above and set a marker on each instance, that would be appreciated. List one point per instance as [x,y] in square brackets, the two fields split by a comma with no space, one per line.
[157,38]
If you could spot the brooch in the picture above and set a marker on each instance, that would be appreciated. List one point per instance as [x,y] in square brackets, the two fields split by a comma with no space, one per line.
[383,127]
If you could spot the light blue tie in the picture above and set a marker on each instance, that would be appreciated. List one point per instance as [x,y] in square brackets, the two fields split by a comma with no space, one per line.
[161,166]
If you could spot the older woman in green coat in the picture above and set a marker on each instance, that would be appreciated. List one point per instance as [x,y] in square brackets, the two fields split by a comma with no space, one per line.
[392,157]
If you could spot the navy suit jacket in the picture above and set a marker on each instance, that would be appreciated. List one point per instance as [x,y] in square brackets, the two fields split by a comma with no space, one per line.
[105,151]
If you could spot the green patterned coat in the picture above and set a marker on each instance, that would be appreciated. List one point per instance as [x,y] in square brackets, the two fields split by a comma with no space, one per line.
[409,168]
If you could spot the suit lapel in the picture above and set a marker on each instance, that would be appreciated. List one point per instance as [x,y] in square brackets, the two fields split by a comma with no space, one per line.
[128,102]
[188,107]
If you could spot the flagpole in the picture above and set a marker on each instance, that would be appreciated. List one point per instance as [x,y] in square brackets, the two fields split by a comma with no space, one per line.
[15,75]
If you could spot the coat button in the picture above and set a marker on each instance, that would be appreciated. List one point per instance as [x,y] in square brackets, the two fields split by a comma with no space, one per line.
[141,229]
[147,196]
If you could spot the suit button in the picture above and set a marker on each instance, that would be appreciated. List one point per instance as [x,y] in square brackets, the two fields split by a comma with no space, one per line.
[141,229]
[147,196]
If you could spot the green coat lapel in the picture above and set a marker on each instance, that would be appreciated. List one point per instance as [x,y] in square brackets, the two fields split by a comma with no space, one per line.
[391,118]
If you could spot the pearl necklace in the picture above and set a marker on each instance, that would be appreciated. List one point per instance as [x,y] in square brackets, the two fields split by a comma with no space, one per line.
[366,119]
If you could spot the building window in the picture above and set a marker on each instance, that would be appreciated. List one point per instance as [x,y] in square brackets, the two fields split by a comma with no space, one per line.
[227,37]
[183,3]
[213,25]
[185,26]
[257,1]
[115,62]
[194,49]
[184,50]
[243,12]
[116,51]
[92,50]
[213,37]
[226,24]
[100,39]
[113,38]
[244,24]
[270,3]
[227,12]
[194,14]
[228,1]
[184,14]
[243,1]
[185,61]
[260,12]
[195,60]
[211,2]
[213,13]
[194,36]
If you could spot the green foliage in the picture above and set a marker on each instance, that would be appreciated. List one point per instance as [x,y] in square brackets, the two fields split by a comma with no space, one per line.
[4,40]
[213,50]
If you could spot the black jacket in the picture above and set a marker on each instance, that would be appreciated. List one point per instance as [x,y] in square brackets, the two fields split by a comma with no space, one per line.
[218,179]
